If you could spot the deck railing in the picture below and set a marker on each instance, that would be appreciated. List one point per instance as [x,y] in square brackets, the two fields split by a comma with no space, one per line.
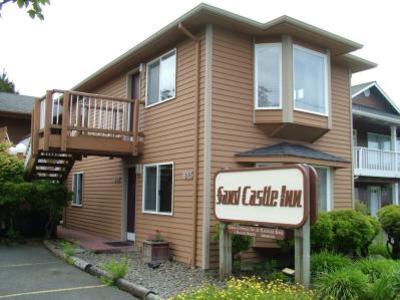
[72,113]
[377,163]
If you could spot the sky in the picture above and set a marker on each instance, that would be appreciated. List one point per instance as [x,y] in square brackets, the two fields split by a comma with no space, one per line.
[78,37]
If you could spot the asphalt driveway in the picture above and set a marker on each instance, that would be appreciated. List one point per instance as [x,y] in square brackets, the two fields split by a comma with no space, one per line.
[32,272]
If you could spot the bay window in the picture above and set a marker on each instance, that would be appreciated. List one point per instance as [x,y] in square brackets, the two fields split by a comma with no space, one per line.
[310,80]
[161,79]
[268,75]
[158,188]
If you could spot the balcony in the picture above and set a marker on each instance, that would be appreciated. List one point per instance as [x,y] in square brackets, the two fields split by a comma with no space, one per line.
[67,125]
[376,163]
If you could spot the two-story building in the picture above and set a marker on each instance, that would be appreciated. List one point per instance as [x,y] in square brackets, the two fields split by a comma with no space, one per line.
[140,140]
[376,146]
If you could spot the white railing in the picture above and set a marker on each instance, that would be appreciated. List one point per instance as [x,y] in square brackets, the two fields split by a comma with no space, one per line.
[28,153]
[377,163]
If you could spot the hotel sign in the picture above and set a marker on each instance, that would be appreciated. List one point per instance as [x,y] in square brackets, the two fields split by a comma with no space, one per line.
[272,197]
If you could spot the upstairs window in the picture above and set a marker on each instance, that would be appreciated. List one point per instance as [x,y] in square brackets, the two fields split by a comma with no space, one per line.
[77,184]
[310,80]
[161,78]
[268,69]
[157,188]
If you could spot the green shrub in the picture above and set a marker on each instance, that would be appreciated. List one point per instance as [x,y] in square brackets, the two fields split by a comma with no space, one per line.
[343,284]
[388,286]
[374,268]
[361,207]
[389,217]
[239,242]
[325,262]
[378,249]
[249,288]
[347,231]
[117,269]
[11,168]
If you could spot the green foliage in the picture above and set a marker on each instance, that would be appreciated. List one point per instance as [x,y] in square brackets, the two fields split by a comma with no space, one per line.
[117,269]
[33,7]
[378,249]
[239,242]
[361,207]
[374,268]
[389,217]
[249,288]
[11,168]
[69,248]
[388,286]
[6,85]
[325,262]
[347,231]
[347,283]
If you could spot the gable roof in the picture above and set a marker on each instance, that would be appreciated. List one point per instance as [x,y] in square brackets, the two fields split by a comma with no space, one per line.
[360,88]
[204,14]
[15,103]
[289,149]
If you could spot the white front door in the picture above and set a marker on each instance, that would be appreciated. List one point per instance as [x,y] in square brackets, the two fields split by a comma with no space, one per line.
[374,200]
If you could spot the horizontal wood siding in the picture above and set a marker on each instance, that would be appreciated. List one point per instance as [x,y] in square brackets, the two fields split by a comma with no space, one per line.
[309,119]
[233,130]
[268,116]
[169,137]
[101,209]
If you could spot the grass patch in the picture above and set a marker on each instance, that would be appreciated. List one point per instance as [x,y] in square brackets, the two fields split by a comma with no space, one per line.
[117,270]
[325,262]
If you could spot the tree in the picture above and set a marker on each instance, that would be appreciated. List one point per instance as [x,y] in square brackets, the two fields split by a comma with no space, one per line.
[34,7]
[389,216]
[6,85]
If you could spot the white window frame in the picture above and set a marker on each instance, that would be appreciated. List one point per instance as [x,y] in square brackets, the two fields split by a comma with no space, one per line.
[159,101]
[255,88]
[157,211]
[72,189]
[326,85]
[329,178]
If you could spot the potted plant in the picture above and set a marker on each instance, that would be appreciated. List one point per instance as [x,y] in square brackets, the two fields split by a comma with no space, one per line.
[155,248]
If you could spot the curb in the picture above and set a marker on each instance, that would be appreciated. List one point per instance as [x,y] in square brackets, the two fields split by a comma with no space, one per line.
[123,284]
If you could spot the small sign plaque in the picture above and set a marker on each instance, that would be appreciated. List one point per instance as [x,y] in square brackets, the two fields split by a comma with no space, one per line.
[260,232]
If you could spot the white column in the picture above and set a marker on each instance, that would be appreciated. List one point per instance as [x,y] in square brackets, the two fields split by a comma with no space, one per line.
[395,186]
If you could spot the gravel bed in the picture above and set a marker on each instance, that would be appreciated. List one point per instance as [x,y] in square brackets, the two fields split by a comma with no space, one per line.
[169,279]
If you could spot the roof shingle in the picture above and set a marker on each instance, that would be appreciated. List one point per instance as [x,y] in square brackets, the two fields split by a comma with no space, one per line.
[15,103]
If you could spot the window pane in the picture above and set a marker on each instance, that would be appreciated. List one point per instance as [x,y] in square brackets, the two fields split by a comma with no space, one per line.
[309,81]
[167,78]
[74,188]
[153,84]
[322,189]
[150,188]
[268,75]
[166,188]
[80,184]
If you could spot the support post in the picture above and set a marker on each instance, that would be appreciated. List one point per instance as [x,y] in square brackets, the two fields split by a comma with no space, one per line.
[135,126]
[35,127]
[65,120]
[47,120]
[225,251]
[302,251]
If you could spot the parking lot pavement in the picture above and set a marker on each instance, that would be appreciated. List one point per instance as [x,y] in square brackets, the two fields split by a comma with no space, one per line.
[32,272]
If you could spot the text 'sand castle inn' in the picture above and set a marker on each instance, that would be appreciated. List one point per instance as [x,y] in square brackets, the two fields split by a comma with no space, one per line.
[208,92]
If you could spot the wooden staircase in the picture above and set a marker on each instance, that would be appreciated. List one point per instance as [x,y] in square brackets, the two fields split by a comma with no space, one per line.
[67,125]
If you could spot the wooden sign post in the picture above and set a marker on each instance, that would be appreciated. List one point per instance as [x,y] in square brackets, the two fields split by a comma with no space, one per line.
[264,201]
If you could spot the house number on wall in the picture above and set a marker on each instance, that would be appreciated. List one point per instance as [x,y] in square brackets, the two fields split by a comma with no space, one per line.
[187,174]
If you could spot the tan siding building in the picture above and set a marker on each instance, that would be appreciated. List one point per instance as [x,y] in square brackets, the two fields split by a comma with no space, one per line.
[200,113]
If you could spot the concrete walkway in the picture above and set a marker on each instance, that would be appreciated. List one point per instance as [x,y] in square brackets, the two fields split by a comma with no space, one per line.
[32,272]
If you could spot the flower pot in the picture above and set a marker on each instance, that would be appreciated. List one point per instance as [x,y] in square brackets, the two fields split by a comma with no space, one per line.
[154,251]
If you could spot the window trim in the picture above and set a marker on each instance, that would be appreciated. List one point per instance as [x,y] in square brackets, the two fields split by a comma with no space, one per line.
[255,97]
[159,101]
[157,211]
[329,185]
[72,189]
[326,84]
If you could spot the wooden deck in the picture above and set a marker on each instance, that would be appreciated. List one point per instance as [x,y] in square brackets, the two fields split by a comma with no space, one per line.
[80,124]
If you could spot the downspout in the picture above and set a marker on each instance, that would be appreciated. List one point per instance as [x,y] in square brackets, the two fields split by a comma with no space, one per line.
[196,140]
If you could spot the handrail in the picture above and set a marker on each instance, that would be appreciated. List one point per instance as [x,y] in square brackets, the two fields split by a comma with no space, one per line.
[73,113]
[367,160]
